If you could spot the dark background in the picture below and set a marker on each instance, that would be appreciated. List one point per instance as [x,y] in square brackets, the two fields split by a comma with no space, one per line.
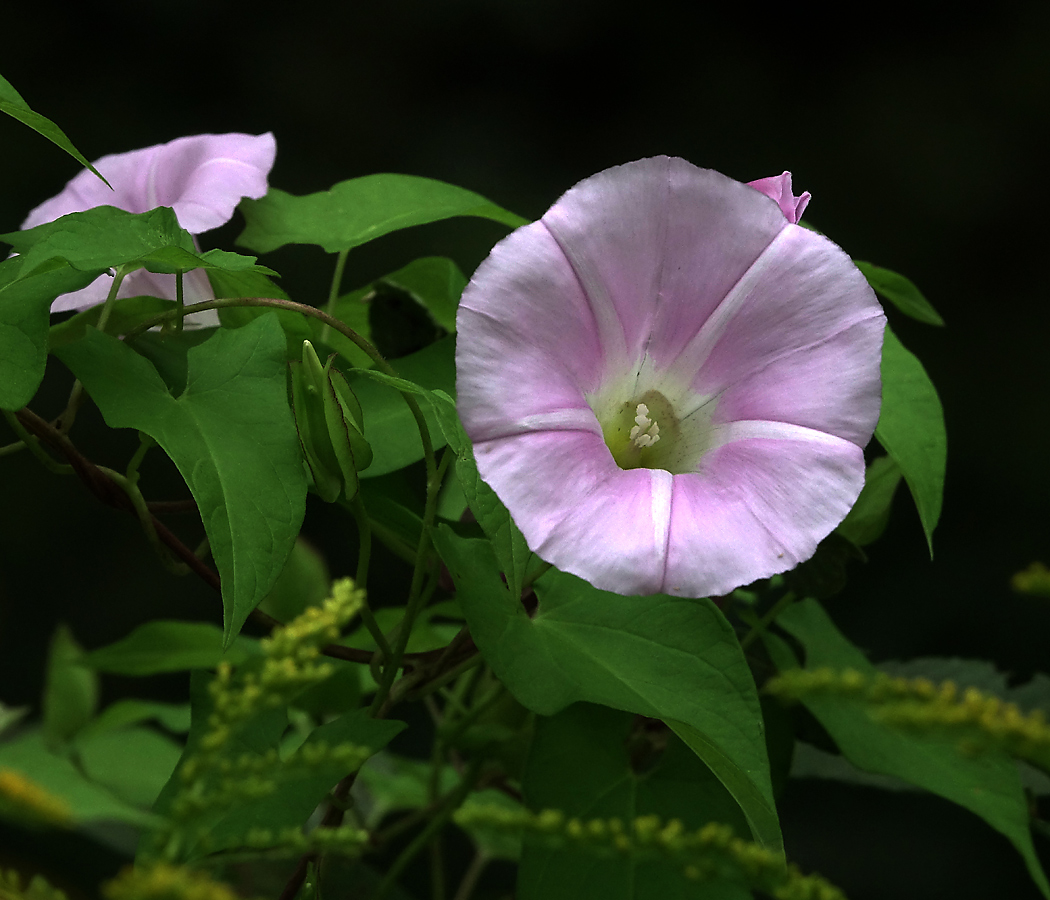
[924,144]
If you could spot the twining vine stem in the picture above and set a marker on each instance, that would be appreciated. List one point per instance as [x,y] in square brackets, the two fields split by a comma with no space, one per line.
[106,489]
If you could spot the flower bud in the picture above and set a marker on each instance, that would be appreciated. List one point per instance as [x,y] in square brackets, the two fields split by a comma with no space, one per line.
[329,420]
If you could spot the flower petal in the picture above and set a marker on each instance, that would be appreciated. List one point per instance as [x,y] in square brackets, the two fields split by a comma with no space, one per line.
[656,244]
[758,507]
[541,476]
[520,354]
[802,291]
[831,386]
[616,537]
[716,228]
[203,177]
[578,510]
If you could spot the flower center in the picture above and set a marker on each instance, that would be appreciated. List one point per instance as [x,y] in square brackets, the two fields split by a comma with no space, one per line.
[647,432]
[640,430]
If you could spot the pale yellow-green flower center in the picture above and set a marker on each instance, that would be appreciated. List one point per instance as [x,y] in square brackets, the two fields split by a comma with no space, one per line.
[640,431]
[648,431]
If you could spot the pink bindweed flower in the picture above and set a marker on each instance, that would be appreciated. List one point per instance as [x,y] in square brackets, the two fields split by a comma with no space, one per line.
[668,382]
[202,177]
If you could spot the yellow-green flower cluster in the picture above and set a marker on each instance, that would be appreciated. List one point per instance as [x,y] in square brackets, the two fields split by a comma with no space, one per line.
[23,799]
[213,778]
[161,881]
[250,776]
[345,839]
[11,888]
[977,719]
[292,661]
[1034,580]
[710,852]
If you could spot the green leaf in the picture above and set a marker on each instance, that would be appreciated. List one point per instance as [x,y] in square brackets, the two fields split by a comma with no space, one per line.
[987,784]
[101,238]
[900,292]
[230,434]
[134,763]
[508,543]
[580,763]
[359,210]
[71,690]
[388,783]
[663,657]
[11,716]
[871,513]
[167,646]
[86,801]
[911,428]
[25,308]
[173,716]
[105,237]
[304,581]
[389,426]
[434,282]
[11,102]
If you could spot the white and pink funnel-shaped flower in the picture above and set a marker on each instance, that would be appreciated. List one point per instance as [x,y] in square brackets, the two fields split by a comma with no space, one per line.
[202,177]
[668,382]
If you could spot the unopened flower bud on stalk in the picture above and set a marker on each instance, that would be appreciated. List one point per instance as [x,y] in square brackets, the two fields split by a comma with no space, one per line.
[329,420]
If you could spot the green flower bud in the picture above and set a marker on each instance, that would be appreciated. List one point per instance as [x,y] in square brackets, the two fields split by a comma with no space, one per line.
[329,420]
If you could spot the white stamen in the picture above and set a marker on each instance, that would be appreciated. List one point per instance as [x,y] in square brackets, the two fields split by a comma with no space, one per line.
[646,432]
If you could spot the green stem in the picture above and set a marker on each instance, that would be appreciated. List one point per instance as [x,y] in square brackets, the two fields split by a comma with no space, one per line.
[145,443]
[333,293]
[393,541]
[761,624]
[472,714]
[471,876]
[542,569]
[11,449]
[130,487]
[180,306]
[76,395]
[111,298]
[416,596]
[364,531]
[425,836]
[437,683]
[31,443]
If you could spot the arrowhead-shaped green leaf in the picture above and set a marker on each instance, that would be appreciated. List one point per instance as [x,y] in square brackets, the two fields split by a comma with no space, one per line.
[232,437]
[901,292]
[911,428]
[664,657]
[25,310]
[579,763]
[11,102]
[359,210]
